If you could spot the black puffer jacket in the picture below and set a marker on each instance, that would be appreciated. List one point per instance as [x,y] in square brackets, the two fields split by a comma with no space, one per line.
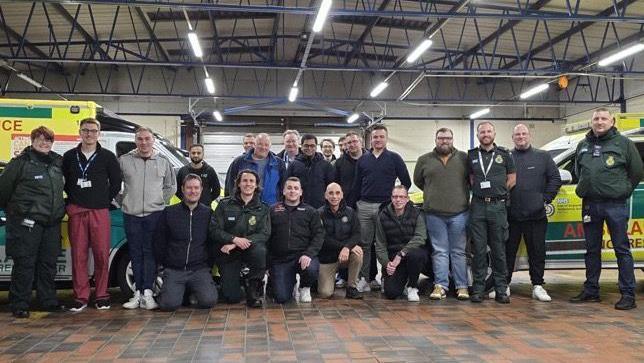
[342,229]
[234,219]
[295,231]
[31,186]
[315,174]
[182,237]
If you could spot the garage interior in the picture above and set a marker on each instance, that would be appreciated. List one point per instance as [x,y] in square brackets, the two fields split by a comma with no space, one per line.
[262,66]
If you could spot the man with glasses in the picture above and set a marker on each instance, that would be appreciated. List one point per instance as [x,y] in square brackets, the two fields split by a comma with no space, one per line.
[291,147]
[443,178]
[314,172]
[92,180]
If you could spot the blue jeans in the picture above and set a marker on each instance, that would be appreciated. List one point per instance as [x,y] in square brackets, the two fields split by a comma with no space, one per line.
[448,237]
[140,234]
[615,214]
[282,277]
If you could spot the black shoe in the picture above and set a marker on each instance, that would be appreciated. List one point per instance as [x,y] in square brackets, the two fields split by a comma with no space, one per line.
[20,314]
[626,303]
[353,293]
[77,307]
[103,304]
[254,303]
[502,298]
[476,298]
[584,297]
[54,308]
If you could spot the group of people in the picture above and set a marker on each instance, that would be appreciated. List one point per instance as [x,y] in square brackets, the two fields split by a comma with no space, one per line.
[305,213]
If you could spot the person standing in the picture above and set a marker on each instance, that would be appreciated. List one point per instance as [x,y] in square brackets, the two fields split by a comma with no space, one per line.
[341,243]
[291,139]
[442,176]
[492,175]
[296,238]
[92,180]
[181,249]
[609,168]
[148,184]
[31,193]
[538,182]
[328,147]
[266,164]
[210,180]
[240,229]
[314,172]
[401,236]
[376,174]
[248,141]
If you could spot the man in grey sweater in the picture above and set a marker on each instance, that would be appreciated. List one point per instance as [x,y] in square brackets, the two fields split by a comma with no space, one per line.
[442,175]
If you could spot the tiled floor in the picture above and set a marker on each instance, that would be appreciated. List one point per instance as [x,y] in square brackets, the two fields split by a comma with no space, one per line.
[373,330]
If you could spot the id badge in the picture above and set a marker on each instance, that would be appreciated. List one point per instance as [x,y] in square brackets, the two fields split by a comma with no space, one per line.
[597,151]
[79,182]
[86,184]
[587,219]
[486,184]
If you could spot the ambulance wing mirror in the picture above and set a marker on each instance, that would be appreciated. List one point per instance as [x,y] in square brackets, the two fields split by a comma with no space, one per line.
[566,177]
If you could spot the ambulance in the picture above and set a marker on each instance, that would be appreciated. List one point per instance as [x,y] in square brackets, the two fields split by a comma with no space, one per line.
[18,117]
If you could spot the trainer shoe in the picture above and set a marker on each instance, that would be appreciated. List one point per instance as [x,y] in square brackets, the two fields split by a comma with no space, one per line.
[626,303]
[438,293]
[584,297]
[147,301]
[539,293]
[492,293]
[462,294]
[340,283]
[77,306]
[353,293]
[363,285]
[305,294]
[103,304]
[374,285]
[134,302]
[412,294]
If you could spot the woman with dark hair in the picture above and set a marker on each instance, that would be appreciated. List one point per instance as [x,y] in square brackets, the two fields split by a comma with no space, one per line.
[240,228]
[31,192]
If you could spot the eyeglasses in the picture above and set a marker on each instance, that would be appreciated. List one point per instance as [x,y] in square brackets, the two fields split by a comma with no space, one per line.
[310,146]
[88,131]
[446,138]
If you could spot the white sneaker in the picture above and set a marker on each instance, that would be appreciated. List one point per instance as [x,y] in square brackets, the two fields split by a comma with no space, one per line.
[147,301]
[363,285]
[305,294]
[492,293]
[539,293]
[340,284]
[438,293]
[412,294]
[134,302]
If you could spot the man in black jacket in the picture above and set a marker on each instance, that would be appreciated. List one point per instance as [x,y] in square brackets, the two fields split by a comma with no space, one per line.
[538,182]
[296,238]
[211,186]
[341,243]
[314,172]
[181,249]
[240,228]
[92,180]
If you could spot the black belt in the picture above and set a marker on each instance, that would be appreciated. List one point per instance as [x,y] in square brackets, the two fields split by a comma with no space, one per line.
[490,199]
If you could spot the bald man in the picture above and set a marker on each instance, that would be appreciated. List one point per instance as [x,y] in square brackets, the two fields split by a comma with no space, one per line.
[341,243]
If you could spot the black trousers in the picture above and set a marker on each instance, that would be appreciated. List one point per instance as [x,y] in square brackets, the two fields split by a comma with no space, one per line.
[34,252]
[534,235]
[230,266]
[406,273]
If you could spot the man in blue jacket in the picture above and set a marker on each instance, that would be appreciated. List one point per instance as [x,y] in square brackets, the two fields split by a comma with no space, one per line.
[181,249]
[266,164]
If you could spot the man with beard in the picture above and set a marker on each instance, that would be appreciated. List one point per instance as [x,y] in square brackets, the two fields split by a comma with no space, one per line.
[248,142]
[314,172]
[492,175]
[443,178]
[208,175]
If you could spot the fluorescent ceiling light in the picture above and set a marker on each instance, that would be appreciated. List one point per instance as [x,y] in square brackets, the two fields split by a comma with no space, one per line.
[210,85]
[378,89]
[419,51]
[636,48]
[353,118]
[322,14]
[217,115]
[29,80]
[533,91]
[479,113]
[292,95]
[194,43]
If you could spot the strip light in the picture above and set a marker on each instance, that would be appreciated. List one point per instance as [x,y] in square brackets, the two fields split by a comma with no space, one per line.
[194,43]
[292,95]
[419,51]
[322,15]
[533,91]
[636,48]
[479,113]
[353,118]
[217,115]
[378,89]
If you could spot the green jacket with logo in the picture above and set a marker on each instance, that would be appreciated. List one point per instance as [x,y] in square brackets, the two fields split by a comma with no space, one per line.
[234,219]
[613,174]
[31,186]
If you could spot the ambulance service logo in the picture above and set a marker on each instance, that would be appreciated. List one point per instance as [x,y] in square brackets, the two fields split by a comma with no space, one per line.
[610,161]
[499,159]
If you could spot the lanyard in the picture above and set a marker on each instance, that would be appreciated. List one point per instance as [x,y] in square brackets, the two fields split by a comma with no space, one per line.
[89,161]
[486,170]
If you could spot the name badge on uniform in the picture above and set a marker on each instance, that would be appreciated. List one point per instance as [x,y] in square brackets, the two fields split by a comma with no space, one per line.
[231,218]
[86,184]
[486,184]
[597,150]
